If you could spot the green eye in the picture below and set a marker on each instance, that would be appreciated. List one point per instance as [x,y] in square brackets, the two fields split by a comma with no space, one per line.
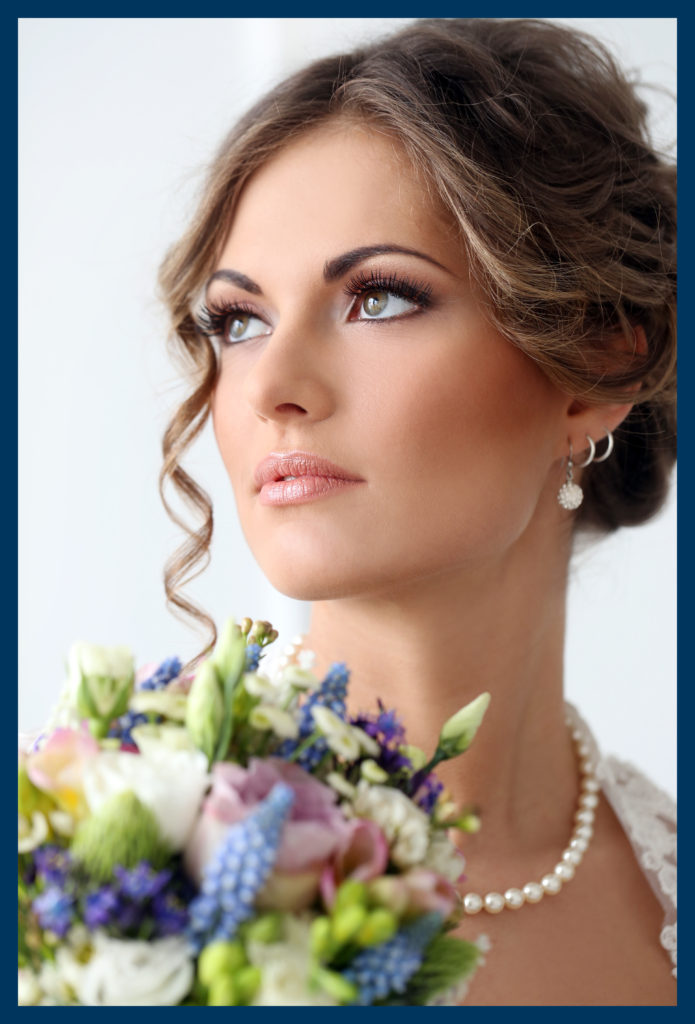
[244,326]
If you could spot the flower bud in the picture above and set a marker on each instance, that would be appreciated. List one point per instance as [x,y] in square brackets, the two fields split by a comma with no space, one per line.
[320,942]
[205,709]
[458,731]
[100,681]
[379,926]
[267,928]
[372,772]
[335,985]
[223,991]
[123,831]
[160,702]
[218,959]
[416,756]
[347,922]
[247,982]
[350,893]
[229,656]
[245,626]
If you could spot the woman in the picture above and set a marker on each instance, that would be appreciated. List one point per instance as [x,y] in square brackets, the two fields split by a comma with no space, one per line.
[429,300]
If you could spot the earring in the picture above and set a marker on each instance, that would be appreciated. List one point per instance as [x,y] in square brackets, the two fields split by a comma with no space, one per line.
[570,495]
[592,452]
[609,447]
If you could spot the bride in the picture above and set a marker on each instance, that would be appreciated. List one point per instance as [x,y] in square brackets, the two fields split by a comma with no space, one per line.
[428,299]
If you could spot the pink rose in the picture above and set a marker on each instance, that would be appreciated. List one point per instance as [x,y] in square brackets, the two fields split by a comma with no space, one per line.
[311,835]
[363,855]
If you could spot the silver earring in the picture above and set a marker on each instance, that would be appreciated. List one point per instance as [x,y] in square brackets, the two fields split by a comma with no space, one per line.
[592,452]
[570,495]
[609,447]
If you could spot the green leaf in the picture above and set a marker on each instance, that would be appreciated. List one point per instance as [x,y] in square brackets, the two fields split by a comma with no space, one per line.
[446,963]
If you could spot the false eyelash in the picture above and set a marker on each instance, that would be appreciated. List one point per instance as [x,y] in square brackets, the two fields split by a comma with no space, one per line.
[210,320]
[404,288]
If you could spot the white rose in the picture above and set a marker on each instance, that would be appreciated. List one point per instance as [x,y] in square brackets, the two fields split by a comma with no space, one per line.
[171,783]
[129,972]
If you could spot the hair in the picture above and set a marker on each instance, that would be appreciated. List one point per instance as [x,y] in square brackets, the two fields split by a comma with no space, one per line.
[536,144]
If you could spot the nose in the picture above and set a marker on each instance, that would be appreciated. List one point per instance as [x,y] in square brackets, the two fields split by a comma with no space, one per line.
[290,378]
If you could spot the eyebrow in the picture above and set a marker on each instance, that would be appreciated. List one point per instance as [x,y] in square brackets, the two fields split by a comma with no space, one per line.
[332,269]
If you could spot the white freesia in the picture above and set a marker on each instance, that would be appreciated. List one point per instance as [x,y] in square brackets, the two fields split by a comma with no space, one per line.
[339,735]
[341,785]
[285,968]
[443,857]
[171,783]
[31,832]
[405,825]
[266,716]
[367,742]
[258,685]
[129,972]
[298,676]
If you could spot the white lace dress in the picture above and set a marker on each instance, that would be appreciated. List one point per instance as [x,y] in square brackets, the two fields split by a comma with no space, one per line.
[648,816]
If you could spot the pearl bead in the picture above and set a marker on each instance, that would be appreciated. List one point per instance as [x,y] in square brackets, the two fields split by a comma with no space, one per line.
[472,903]
[585,817]
[551,884]
[572,856]
[579,844]
[514,898]
[533,892]
[586,766]
[584,832]
[583,749]
[564,871]
[588,800]
[590,784]
[494,902]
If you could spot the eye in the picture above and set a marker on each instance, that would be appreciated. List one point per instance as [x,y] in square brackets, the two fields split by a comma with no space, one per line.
[380,305]
[242,326]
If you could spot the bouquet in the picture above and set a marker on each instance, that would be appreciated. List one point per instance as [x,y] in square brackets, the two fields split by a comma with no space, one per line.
[233,837]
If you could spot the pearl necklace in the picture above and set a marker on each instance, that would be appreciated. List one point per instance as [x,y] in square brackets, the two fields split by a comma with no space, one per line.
[571,856]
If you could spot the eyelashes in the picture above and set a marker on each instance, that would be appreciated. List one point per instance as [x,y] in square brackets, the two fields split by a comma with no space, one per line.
[215,318]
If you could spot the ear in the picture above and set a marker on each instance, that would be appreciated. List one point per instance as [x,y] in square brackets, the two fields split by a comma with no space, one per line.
[584,420]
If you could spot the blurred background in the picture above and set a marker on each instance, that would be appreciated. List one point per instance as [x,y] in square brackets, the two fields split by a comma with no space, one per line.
[117,120]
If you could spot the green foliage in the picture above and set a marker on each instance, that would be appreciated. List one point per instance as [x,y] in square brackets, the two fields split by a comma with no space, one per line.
[123,831]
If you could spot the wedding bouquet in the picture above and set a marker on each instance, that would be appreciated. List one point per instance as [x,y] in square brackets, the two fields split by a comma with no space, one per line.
[231,837]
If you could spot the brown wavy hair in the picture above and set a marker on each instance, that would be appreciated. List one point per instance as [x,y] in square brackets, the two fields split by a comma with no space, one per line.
[536,143]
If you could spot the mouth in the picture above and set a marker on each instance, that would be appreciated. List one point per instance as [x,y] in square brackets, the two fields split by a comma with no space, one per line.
[290,478]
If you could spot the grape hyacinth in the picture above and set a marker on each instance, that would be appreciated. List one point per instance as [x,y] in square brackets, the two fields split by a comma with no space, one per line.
[253,657]
[238,870]
[164,673]
[379,970]
[54,909]
[121,728]
[330,694]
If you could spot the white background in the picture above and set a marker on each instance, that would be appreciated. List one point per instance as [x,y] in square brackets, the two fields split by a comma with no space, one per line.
[117,120]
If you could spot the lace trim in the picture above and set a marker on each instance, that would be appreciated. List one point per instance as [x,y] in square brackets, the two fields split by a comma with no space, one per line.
[648,816]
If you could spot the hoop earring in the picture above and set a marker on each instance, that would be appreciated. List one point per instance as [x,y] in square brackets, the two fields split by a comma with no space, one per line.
[592,452]
[570,495]
[609,447]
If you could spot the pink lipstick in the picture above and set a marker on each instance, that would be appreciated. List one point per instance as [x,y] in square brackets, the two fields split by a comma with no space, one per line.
[292,478]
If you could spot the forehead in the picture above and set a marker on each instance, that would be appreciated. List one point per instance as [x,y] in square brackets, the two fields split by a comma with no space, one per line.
[337,187]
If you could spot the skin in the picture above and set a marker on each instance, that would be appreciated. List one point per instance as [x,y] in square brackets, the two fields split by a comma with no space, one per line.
[441,574]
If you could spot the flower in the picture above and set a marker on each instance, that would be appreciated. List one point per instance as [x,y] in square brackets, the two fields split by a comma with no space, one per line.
[205,709]
[100,680]
[285,968]
[362,854]
[266,716]
[129,972]
[58,767]
[405,826]
[312,833]
[458,731]
[170,782]
[443,857]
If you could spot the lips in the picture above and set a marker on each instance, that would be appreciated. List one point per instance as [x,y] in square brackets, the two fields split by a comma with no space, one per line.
[294,477]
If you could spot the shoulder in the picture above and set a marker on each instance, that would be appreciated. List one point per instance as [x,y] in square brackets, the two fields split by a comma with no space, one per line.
[648,816]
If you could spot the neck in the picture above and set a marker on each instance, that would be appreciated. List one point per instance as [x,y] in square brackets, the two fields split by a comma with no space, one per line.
[432,645]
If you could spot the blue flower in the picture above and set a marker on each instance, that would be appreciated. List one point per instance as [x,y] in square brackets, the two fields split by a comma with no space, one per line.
[100,907]
[121,728]
[238,870]
[54,909]
[386,968]
[141,882]
[170,913]
[163,674]
[330,694]
[428,793]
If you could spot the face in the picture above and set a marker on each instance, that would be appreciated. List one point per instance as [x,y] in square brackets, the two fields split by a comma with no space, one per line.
[356,359]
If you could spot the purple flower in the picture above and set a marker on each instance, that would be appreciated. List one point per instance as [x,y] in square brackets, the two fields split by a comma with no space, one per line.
[100,907]
[428,793]
[54,909]
[170,913]
[52,863]
[142,882]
